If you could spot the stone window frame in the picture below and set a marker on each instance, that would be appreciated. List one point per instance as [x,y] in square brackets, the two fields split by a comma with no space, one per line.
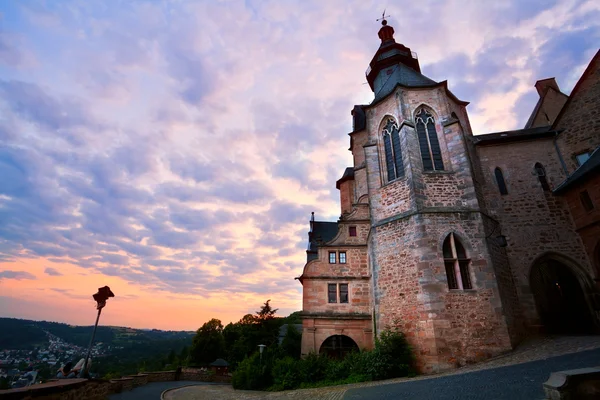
[332,260]
[457,263]
[381,150]
[540,172]
[392,149]
[332,294]
[441,142]
[340,257]
[338,293]
[500,181]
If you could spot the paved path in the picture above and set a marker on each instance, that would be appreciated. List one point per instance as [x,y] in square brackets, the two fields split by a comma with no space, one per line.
[153,390]
[521,381]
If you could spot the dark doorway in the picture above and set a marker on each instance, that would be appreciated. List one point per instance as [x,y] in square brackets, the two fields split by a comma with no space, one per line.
[560,299]
[337,346]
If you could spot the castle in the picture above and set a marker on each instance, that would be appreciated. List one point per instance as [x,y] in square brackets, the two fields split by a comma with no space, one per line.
[465,243]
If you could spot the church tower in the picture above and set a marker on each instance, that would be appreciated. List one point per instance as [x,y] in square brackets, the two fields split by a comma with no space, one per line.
[414,248]
[430,248]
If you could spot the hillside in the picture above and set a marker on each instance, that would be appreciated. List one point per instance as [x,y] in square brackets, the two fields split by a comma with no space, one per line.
[25,334]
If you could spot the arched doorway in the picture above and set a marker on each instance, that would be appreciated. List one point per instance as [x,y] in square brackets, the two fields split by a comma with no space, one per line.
[559,298]
[337,346]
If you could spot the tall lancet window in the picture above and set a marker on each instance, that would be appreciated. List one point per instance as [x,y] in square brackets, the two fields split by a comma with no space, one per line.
[428,142]
[456,263]
[393,152]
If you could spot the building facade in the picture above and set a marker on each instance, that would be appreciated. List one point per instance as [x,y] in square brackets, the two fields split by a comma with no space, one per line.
[466,243]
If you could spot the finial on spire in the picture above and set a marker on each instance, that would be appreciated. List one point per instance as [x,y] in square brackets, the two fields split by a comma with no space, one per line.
[383,18]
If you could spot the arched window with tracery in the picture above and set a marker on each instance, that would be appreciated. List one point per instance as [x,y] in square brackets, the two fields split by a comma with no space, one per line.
[429,144]
[456,263]
[541,174]
[500,180]
[393,151]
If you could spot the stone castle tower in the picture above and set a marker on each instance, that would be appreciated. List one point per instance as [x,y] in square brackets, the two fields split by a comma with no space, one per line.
[419,245]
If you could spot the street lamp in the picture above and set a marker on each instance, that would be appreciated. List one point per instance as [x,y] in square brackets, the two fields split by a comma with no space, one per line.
[103,294]
[261,347]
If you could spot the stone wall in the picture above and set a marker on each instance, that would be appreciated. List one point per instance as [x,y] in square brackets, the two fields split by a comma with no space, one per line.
[587,223]
[100,389]
[581,119]
[534,221]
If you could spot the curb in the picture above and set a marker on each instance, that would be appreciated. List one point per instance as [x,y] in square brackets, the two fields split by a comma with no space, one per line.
[184,386]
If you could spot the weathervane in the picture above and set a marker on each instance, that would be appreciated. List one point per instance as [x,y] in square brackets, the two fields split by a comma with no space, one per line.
[383,17]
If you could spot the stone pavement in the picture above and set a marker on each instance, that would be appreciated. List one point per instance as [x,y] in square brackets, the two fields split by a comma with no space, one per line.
[532,350]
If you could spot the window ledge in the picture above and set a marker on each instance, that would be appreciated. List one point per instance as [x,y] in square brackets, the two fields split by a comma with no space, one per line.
[388,183]
[472,291]
[441,172]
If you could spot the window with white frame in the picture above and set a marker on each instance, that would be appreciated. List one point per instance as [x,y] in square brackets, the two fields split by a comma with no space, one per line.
[342,257]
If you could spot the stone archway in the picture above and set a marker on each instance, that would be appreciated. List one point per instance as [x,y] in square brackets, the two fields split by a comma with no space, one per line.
[337,346]
[560,298]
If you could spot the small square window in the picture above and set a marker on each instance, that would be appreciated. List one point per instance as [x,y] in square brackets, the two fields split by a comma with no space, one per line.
[586,201]
[342,257]
[332,292]
[343,292]
[581,158]
[352,231]
[332,257]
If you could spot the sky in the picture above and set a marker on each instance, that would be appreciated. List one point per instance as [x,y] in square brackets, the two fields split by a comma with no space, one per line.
[174,150]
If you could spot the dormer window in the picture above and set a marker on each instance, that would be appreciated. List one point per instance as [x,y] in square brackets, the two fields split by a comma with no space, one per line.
[431,154]
[393,152]
[581,158]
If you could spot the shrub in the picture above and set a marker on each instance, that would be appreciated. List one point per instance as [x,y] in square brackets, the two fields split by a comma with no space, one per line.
[251,374]
[286,374]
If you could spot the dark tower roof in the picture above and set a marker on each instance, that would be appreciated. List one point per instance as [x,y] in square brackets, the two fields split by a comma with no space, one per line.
[400,64]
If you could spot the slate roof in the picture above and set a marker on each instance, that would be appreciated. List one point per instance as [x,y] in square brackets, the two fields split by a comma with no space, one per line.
[219,362]
[348,175]
[514,136]
[592,165]
[405,76]
[284,328]
[322,232]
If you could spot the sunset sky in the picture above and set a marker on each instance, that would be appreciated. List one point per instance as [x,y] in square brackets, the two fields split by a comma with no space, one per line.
[173,150]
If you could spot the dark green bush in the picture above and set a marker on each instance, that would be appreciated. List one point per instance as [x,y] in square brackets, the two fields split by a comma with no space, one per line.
[251,374]
[391,358]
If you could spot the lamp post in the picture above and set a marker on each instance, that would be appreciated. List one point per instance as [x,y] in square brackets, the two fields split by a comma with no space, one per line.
[261,347]
[103,294]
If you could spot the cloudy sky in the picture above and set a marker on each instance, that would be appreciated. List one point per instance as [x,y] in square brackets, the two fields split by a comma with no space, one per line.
[174,150]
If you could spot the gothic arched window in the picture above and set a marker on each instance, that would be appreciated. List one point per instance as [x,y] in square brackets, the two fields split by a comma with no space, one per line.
[393,152]
[428,142]
[541,174]
[500,181]
[456,263]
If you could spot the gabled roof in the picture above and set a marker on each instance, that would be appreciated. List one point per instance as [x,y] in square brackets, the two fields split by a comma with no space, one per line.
[588,71]
[348,175]
[539,104]
[514,136]
[592,165]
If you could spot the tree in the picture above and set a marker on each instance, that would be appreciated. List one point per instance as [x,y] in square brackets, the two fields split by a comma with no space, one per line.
[208,344]
[266,313]
[292,342]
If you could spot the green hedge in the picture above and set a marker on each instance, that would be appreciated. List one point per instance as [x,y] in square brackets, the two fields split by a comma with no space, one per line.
[391,358]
